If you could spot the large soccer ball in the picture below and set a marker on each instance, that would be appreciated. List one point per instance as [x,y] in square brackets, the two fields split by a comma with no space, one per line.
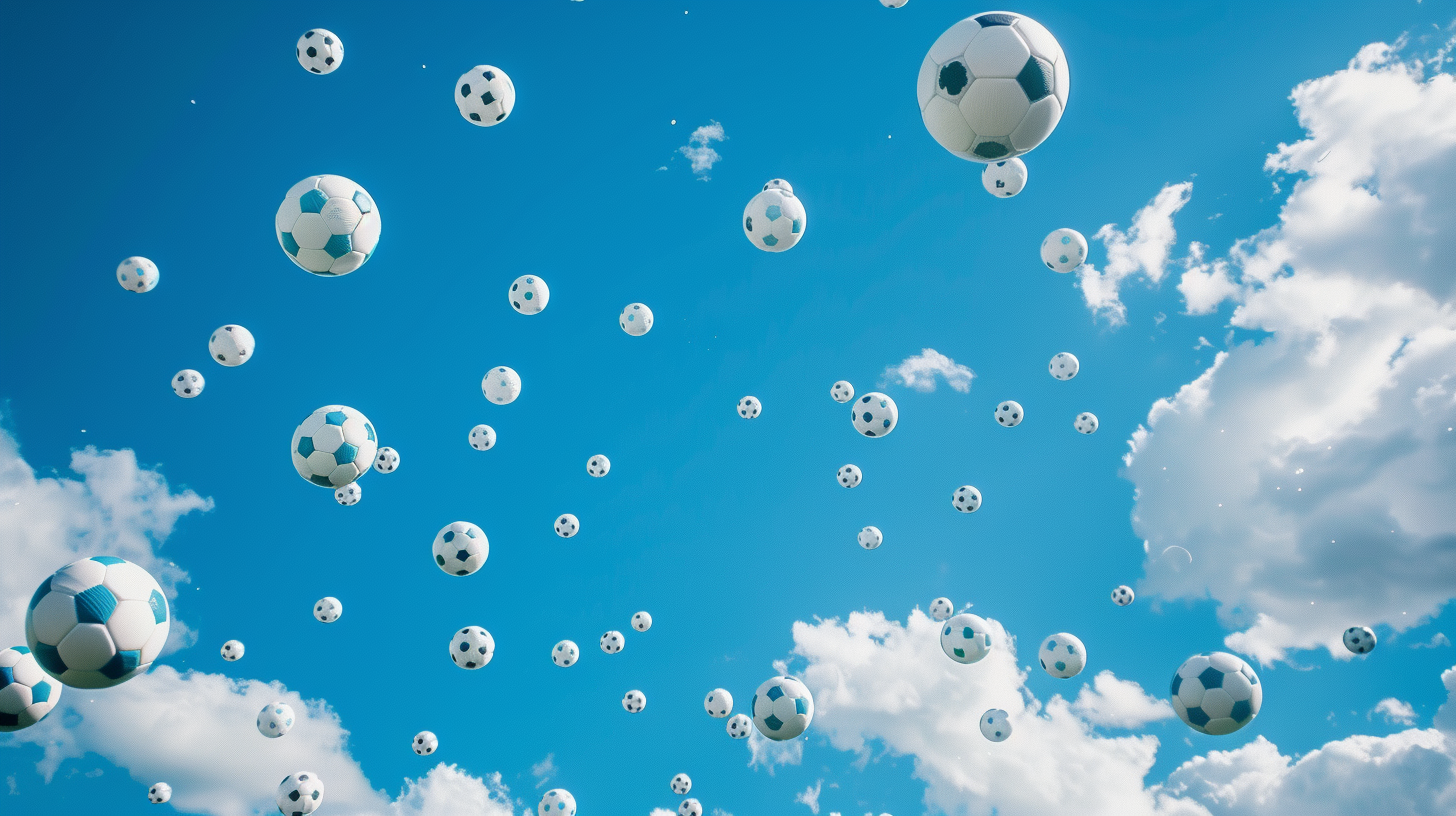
[460,548]
[501,385]
[425,743]
[966,499]
[774,220]
[300,793]
[1063,250]
[993,86]
[328,225]
[718,704]
[994,725]
[319,51]
[472,647]
[1216,693]
[1004,179]
[636,319]
[334,446]
[188,383]
[565,654]
[782,708]
[738,726]
[137,274]
[965,638]
[1062,655]
[485,97]
[875,414]
[1359,639]
[634,701]
[27,694]
[159,794]
[275,720]
[97,622]
[1064,365]
[529,294]
[557,802]
[231,345]
[941,609]
[681,784]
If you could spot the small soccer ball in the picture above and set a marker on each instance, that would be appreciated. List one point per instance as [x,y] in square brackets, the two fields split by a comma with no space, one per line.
[690,807]
[941,609]
[565,654]
[1063,655]
[775,219]
[966,638]
[300,793]
[529,294]
[841,391]
[27,693]
[738,726]
[612,642]
[557,802]
[1216,693]
[598,466]
[1004,179]
[231,345]
[1064,365]
[1085,423]
[871,537]
[482,437]
[1359,639]
[485,97]
[97,622]
[1064,250]
[718,704]
[779,184]
[137,274]
[320,51]
[1009,414]
[1123,595]
[994,725]
[327,225]
[893,3]
[460,548]
[472,647]
[634,701]
[188,383]
[875,414]
[501,385]
[349,495]
[334,446]
[567,525]
[275,720]
[233,650]
[966,499]
[425,743]
[636,319]
[850,476]
[681,784]
[750,407]
[328,609]
[782,708]
[641,621]
[387,460]
[159,794]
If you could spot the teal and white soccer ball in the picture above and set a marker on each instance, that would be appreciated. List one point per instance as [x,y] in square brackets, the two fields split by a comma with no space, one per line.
[529,294]
[485,96]
[738,726]
[328,609]
[425,743]
[319,51]
[1064,365]
[994,725]
[137,274]
[965,638]
[334,446]
[159,794]
[460,548]
[636,319]
[97,622]
[782,708]
[232,345]
[501,385]
[349,495]
[634,701]
[875,414]
[993,86]
[275,720]
[557,802]
[472,647]
[328,225]
[690,807]
[27,693]
[565,654]
[718,704]
[966,499]
[941,609]
[1063,250]
[1085,423]
[188,383]
[300,793]
[232,651]
[775,219]
[1216,693]
[1005,178]
[1062,655]
[1359,639]
[482,437]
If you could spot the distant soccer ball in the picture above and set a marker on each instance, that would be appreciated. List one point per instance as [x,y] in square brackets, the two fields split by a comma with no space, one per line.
[349,495]
[472,647]
[875,414]
[320,51]
[1064,250]
[966,638]
[328,225]
[1123,595]
[598,466]
[750,407]
[1064,365]
[1063,655]
[482,437]
[300,793]
[231,345]
[774,220]
[501,385]
[941,609]
[557,802]
[893,3]
[850,476]
[1004,179]
[681,784]
[565,654]
[137,274]
[841,391]
[634,701]
[97,622]
[334,446]
[612,642]
[1216,693]
[27,694]
[567,525]
[870,537]
[993,86]
[233,650]
[994,725]
[328,609]
[387,460]
[159,794]
[779,184]
[636,319]
[1009,414]
[275,720]
[485,97]
[738,726]
[1359,639]
[966,499]
[425,743]
[782,708]
[1085,423]
[690,807]
[641,621]
[529,294]
[718,704]
[460,548]
[188,383]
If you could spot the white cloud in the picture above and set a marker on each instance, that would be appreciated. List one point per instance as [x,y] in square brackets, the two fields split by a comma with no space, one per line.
[1143,248]
[1118,703]
[1437,641]
[1204,285]
[662,812]
[448,790]
[544,770]
[810,796]
[699,148]
[1395,711]
[769,754]
[919,372]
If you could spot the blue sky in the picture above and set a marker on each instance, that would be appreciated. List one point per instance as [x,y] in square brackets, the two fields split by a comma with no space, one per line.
[173,132]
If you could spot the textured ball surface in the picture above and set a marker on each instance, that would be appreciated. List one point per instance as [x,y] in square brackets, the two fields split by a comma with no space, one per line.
[1062,655]
[1004,179]
[1085,423]
[841,391]
[1123,595]
[775,219]
[485,97]
[871,538]
[557,802]
[386,460]
[965,638]
[738,726]
[320,51]
[966,499]
[425,743]
[636,319]
[460,548]
[137,274]
[27,693]
[1063,250]
[501,385]
[482,437]
[634,701]
[328,225]
[1359,639]
[188,383]
[875,414]
[328,609]
[941,609]
[334,446]
[567,525]
[231,345]
[472,647]
[782,708]
[1216,693]
[994,725]
[97,622]
[275,720]
[565,654]
[1064,365]
[300,793]
[849,476]
[233,650]
[718,704]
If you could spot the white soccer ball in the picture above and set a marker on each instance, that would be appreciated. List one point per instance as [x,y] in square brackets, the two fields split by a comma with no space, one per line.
[231,345]
[137,274]
[27,693]
[779,184]
[328,609]
[738,726]
[1359,639]
[460,548]
[849,476]
[636,319]
[641,621]
[328,225]
[941,609]
[681,784]
[1064,365]
[993,86]
[557,802]
[994,725]
[893,3]
[1062,655]
[485,97]
[482,437]
[529,294]
[320,51]
[966,638]
[612,642]
[875,414]
[1085,423]
[1216,693]
[1004,179]
[782,708]
[159,794]
[870,537]
[275,720]
[1064,250]
[233,650]
[841,391]
[774,220]
[598,466]
[565,654]
[690,807]
[634,701]
[97,622]
[472,647]
[750,407]
[567,525]
[966,499]
[387,460]
[718,704]
[188,383]
[300,793]
[501,385]
[1009,414]
[425,743]
[349,495]
[334,446]
[1123,595]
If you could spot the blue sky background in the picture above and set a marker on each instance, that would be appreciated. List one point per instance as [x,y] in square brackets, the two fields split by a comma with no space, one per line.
[726,531]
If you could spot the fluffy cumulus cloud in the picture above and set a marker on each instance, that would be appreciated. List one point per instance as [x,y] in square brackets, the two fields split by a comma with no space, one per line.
[699,149]
[1142,250]
[1116,703]
[1396,711]
[922,370]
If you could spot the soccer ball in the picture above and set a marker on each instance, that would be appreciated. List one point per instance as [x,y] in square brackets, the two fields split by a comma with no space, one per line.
[1063,250]
[1064,365]
[641,621]
[482,437]
[1085,423]
[690,807]
[681,784]
[994,725]
[774,220]
[27,695]
[275,720]
[598,465]
[634,701]
[875,414]
[841,391]
[871,537]
[485,97]
[565,654]
[850,476]
[750,407]
[188,383]
[893,3]
[1009,414]
[567,525]
[472,647]
[334,446]
[529,295]
[1216,693]
[387,460]
[738,726]
[636,319]
[966,638]
[231,345]
[159,794]
[137,274]
[349,495]
[1359,639]
[941,609]
[1004,179]
[328,609]
[1063,655]
[612,642]
[501,385]
[718,704]
[782,708]
[300,793]
[993,86]
[1123,595]
[557,802]
[779,184]
[460,548]
[328,225]
[320,51]
[425,743]
[233,650]
[966,499]
[97,622]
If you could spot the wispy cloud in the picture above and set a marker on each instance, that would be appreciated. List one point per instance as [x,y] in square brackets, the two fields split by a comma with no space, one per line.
[1437,641]
[810,796]
[544,770]
[1143,249]
[919,372]
[699,149]
[1395,711]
